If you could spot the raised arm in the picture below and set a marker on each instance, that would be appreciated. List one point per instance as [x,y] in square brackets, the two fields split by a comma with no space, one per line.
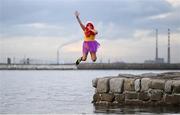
[78,19]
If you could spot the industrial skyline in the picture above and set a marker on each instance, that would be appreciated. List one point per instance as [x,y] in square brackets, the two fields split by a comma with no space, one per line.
[157,59]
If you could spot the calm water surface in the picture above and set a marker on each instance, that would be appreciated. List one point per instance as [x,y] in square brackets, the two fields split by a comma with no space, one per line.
[61,92]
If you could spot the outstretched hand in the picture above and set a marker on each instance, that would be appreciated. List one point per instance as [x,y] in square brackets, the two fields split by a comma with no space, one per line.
[77,13]
[78,19]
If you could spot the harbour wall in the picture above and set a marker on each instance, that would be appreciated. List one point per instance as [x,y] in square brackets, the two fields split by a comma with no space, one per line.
[137,66]
[146,89]
[37,67]
[91,66]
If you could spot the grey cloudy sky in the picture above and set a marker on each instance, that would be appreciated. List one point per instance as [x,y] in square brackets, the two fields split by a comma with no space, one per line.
[36,28]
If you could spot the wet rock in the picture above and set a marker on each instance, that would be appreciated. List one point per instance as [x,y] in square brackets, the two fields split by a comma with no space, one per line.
[149,75]
[129,84]
[172,99]
[144,96]
[96,97]
[107,97]
[157,84]
[145,82]
[116,85]
[103,85]
[103,103]
[153,103]
[94,82]
[155,94]
[170,75]
[168,86]
[127,75]
[119,98]
[131,95]
[176,86]
[137,84]
[153,90]
[133,102]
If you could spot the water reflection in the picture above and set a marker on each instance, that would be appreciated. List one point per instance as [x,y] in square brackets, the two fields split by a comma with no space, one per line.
[136,109]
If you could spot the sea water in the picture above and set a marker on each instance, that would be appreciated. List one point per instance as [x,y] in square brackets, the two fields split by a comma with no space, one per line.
[61,92]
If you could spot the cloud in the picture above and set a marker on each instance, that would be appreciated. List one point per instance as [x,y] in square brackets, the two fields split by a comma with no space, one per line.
[160,16]
[37,26]
[141,33]
[174,3]
[41,30]
[126,15]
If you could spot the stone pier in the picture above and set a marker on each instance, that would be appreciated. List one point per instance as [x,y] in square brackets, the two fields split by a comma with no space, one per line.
[37,67]
[145,89]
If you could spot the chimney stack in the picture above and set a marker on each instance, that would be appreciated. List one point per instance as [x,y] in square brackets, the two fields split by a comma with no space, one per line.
[156,58]
[168,58]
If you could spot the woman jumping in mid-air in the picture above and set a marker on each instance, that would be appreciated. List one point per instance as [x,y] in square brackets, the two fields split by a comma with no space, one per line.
[89,44]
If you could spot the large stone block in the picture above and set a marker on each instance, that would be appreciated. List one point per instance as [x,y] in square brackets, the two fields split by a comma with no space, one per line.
[120,98]
[129,84]
[137,84]
[102,103]
[96,97]
[145,82]
[149,75]
[127,75]
[133,102]
[144,96]
[103,85]
[153,103]
[172,99]
[116,85]
[107,97]
[94,82]
[155,94]
[176,86]
[131,95]
[157,84]
[168,86]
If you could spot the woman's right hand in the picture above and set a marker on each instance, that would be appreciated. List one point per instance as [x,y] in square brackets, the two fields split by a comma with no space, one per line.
[78,19]
[76,13]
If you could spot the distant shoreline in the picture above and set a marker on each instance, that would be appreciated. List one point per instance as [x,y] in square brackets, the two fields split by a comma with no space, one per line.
[37,67]
[132,66]
[92,66]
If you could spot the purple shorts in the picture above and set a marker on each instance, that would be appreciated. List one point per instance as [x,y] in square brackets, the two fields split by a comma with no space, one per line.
[90,46]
